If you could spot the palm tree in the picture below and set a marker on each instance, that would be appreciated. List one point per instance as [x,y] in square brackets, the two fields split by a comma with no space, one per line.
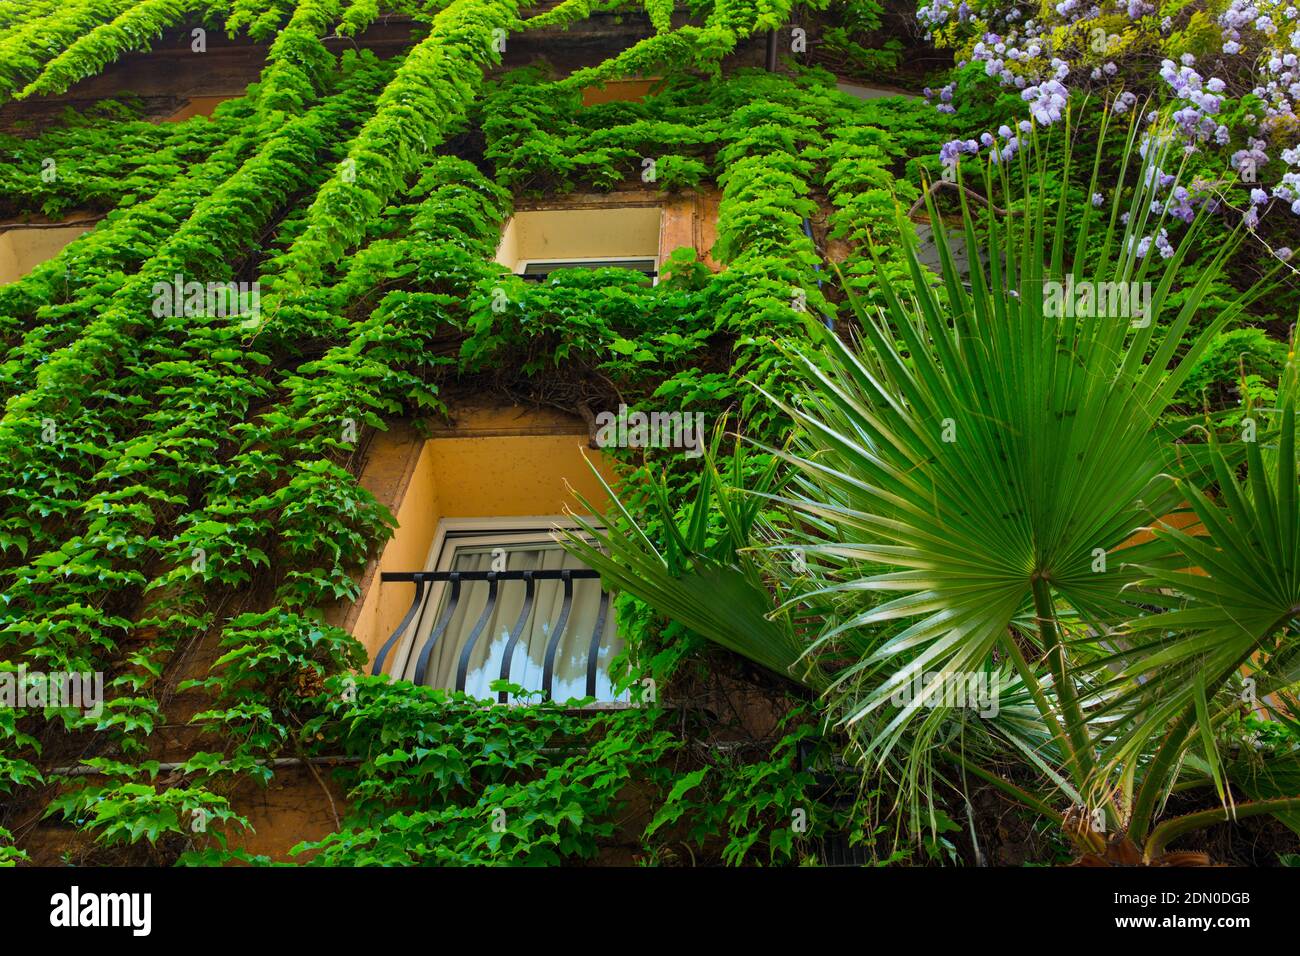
[1228,638]
[962,491]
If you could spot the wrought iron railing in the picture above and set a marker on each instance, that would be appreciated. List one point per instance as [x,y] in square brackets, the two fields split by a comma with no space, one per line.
[422,580]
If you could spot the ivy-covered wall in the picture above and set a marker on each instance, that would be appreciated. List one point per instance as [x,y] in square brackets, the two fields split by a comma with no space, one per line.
[181,492]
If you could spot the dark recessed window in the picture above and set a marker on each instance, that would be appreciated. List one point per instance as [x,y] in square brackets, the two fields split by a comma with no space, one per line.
[536,270]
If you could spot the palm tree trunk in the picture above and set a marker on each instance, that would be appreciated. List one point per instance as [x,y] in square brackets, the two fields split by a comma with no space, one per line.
[1045,612]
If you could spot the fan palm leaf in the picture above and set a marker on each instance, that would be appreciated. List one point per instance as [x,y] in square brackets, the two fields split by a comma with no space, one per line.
[981,455]
[1237,585]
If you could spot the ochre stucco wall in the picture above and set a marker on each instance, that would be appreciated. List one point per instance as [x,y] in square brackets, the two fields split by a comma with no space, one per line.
[199,106]
[21,250]
[617,90]
[495,463]
[690,219]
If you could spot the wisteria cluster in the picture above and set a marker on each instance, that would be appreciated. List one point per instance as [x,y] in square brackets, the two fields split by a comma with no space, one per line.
[1198,101]
[945,98]
[1161,242]
[1280,87]
[1180,203]
[1051,52]
[1001,148]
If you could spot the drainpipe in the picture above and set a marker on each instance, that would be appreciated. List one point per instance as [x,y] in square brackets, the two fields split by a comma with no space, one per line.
[771,51]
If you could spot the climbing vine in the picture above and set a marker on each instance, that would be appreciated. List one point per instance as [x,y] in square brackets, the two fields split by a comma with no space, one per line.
[185,480]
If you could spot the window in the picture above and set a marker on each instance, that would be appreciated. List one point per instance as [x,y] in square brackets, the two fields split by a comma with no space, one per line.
[538,269]
[501,599]
[537,242]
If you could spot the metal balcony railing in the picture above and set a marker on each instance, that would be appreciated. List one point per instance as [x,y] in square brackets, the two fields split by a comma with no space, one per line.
[422,580]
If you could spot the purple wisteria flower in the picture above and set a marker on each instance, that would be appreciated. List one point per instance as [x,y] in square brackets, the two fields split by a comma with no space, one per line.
[1021,49]
[1046,102]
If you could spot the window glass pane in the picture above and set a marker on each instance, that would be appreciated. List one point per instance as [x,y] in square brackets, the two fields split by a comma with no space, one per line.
[589,611]
[546,268]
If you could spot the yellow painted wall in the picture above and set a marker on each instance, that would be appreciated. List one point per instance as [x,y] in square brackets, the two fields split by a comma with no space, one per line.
[22,250]
[199,106]
[478,470]
[508,251]
[617,90]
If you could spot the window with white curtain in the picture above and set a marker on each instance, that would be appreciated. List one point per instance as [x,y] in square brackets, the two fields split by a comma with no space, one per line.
[498,618]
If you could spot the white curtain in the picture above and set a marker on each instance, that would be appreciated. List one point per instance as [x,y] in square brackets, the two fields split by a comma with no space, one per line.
[527,660]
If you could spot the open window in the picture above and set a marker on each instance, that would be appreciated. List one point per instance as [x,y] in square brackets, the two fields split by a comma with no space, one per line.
[502,600]
[537,242]
[538,269]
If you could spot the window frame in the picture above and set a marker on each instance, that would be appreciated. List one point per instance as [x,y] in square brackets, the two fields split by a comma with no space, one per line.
[521,267]
[479,531]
